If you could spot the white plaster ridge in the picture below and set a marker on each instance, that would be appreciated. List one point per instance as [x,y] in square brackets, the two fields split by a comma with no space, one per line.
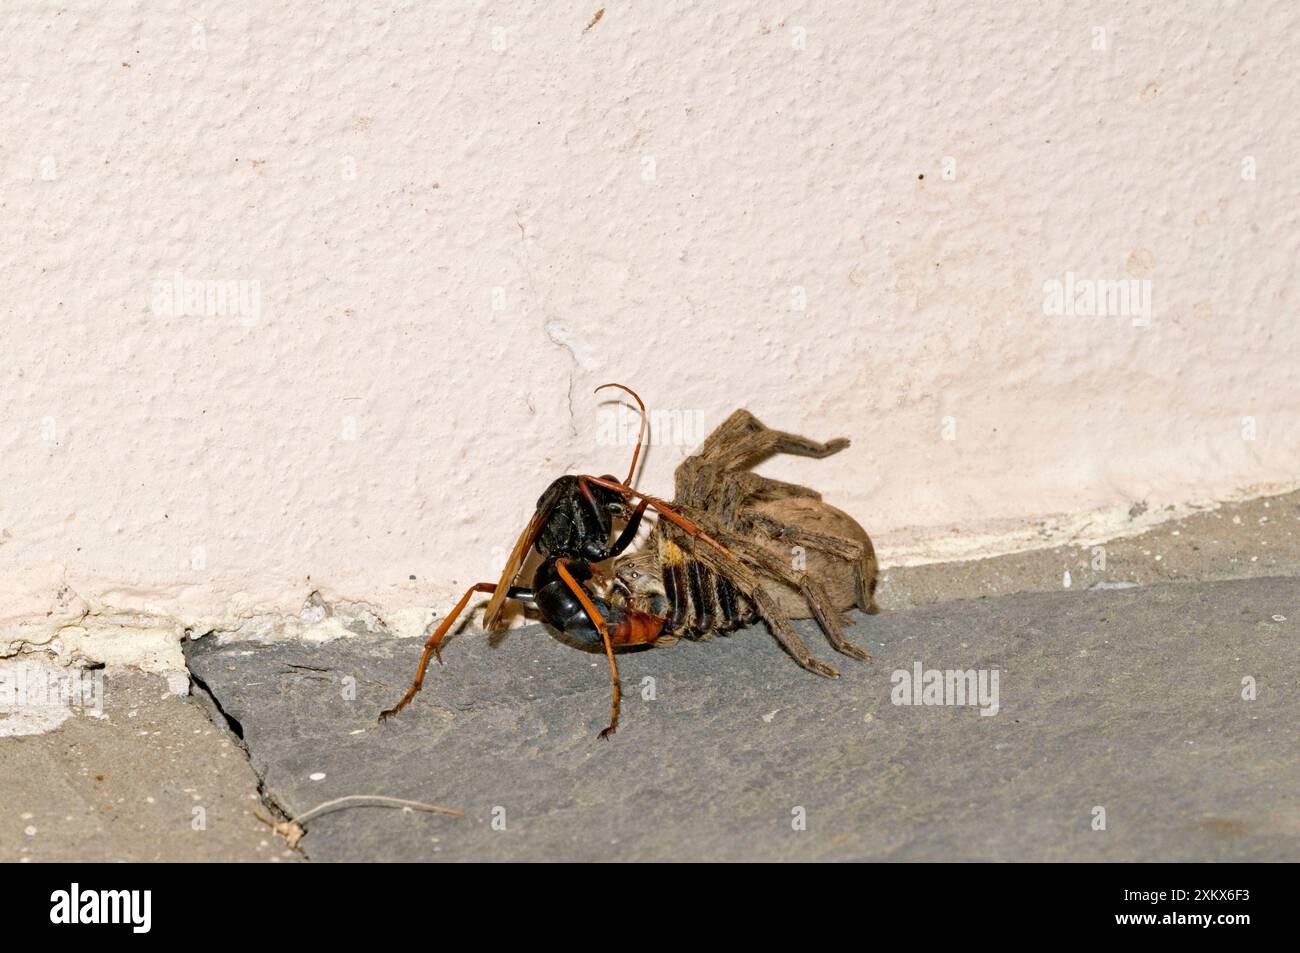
[1080,529]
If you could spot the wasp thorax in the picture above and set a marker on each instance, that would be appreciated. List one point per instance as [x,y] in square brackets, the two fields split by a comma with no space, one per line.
[580,516]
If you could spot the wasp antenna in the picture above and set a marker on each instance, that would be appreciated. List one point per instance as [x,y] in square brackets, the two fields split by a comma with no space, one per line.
[640,436]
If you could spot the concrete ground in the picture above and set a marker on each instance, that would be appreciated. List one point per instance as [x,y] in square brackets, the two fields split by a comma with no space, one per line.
[149,777]
[1122,706]
[1130,700]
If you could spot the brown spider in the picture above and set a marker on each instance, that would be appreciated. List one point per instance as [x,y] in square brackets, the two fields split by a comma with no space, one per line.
[790,550]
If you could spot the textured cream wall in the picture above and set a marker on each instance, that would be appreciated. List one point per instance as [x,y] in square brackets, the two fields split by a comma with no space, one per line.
[446,223]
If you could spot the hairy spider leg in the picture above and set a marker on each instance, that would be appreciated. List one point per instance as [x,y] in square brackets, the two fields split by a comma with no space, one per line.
[861,552]
[743,439]
[810,588]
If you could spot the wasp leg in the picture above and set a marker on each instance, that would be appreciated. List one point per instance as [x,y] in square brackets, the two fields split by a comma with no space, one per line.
[431,648]
[629,531]
[599,622]
[668,511]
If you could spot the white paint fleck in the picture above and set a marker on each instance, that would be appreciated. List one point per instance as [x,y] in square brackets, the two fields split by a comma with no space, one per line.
[30,718]
[178,683]
[574,344]
[318,776]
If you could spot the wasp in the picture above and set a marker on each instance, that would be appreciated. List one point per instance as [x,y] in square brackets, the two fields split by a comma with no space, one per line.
[571,529]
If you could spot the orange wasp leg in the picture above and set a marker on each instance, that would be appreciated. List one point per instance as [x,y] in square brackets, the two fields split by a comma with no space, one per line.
[599,622]
[431,648]
[663,507]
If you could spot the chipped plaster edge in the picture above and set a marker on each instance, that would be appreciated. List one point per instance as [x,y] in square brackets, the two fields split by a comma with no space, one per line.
[152,642]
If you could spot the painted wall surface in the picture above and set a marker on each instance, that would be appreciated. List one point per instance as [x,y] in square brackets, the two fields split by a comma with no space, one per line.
[304,297]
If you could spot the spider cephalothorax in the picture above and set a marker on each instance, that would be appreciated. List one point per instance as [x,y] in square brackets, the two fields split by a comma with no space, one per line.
[793,554]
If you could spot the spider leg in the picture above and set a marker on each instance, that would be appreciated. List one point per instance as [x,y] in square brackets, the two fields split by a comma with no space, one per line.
[766,443]
[431,648]
[813,591]
[741,488]
[735,428]
[860,552]
[742,440]
[739,575]
[766,488]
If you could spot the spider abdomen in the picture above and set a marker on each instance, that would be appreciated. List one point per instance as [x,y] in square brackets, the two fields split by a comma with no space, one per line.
[694,601]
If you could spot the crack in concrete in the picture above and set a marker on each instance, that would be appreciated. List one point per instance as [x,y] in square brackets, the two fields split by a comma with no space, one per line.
[224,721]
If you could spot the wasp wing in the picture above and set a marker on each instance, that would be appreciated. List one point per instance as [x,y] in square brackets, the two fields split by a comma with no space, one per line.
[492,615]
